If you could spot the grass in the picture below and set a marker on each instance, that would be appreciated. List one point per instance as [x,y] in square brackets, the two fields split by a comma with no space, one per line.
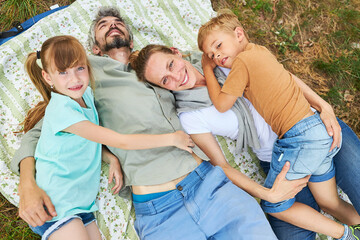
[11,225]
[316,40]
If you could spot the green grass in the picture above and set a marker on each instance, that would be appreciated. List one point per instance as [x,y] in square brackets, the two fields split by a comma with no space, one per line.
[12,227]
[19,11]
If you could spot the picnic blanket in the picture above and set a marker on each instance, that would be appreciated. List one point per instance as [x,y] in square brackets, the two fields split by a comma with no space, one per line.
[169,22]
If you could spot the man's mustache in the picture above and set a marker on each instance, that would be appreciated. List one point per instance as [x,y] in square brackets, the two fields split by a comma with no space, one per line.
[107,33]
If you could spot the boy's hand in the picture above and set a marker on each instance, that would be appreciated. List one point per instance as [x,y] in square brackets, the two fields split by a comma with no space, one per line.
[183,141]
[207,62]
[332,126]
[115,174]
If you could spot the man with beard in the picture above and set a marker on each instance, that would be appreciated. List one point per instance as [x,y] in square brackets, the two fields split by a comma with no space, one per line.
[170,187]
[128,106]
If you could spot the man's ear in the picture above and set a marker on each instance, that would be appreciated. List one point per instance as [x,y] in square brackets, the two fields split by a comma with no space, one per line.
[239,31]
[47,78]
[176,51]
[96,50]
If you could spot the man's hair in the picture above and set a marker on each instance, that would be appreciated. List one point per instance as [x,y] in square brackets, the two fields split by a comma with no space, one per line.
[106,11]
[225,21]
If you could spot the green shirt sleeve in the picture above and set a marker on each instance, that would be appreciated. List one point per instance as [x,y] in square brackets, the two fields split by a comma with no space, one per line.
[27,147]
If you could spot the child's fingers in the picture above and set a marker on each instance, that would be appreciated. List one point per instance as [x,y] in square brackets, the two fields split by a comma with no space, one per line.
[188,149]
[118,185]
[111,176]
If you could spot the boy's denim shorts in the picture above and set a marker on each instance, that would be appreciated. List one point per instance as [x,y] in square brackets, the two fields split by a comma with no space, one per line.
[49,228]
[306,146]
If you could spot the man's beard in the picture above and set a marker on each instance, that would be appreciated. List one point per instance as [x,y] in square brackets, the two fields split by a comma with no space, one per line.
[118,42]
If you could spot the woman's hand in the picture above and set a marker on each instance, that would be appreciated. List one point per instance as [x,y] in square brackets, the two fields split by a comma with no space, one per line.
[183,141]
[284,189]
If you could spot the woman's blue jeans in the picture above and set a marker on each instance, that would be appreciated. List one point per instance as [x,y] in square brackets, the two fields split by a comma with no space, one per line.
[347,166]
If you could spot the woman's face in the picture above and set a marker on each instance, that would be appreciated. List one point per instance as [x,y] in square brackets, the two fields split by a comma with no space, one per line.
[170,71]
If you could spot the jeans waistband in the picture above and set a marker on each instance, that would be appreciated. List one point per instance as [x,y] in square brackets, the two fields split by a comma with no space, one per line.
[304,125]
[159,204]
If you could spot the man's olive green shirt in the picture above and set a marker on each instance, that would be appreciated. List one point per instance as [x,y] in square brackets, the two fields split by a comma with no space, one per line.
[128,106]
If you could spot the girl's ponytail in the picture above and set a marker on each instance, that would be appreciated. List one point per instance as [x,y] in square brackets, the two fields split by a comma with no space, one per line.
[35,73]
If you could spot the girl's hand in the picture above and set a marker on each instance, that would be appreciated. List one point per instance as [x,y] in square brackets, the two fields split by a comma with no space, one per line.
[115,174]
[207,62]
[182,141]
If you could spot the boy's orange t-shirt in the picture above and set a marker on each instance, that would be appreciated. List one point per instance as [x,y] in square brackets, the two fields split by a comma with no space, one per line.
[258,76]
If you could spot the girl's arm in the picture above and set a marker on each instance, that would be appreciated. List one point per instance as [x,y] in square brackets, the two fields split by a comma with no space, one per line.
[115,172]
[326,112]
[222,101]
[282,189]
[95,133]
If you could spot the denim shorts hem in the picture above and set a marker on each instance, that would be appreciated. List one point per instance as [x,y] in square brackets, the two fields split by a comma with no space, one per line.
[277,207]
[56,226]
[325,177]
[49,228]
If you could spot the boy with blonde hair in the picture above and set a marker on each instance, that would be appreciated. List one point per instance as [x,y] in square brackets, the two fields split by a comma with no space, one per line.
[279,98]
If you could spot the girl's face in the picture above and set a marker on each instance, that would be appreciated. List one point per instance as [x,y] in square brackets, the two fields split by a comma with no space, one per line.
[170,71]
[72,82]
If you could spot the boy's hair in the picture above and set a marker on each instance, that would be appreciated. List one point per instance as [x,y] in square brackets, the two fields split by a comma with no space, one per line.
[139,59]
[57,53]
[105,11]
[226,21]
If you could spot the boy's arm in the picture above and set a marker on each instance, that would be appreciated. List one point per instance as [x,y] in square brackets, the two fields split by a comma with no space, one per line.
[222,101]
[327,114]
[282,189]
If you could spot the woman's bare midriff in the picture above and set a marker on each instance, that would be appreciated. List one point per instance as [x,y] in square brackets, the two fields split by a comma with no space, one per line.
[140,190]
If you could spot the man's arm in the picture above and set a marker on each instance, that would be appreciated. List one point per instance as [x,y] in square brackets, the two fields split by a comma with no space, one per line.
[32,198]
[282,189]
[27,147]
[327,114]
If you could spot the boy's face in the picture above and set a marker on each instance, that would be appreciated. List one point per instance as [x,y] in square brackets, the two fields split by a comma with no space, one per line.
[223,46]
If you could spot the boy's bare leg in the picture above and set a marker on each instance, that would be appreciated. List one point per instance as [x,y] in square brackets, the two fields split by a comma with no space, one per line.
[308,218]
[326,195]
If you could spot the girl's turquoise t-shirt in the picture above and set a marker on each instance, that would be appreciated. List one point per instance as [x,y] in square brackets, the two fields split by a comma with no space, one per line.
[67,165]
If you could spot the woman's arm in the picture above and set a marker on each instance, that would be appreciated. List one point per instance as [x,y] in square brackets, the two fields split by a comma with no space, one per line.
[93,132]
[115,172]
[327,114]
[282,189]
